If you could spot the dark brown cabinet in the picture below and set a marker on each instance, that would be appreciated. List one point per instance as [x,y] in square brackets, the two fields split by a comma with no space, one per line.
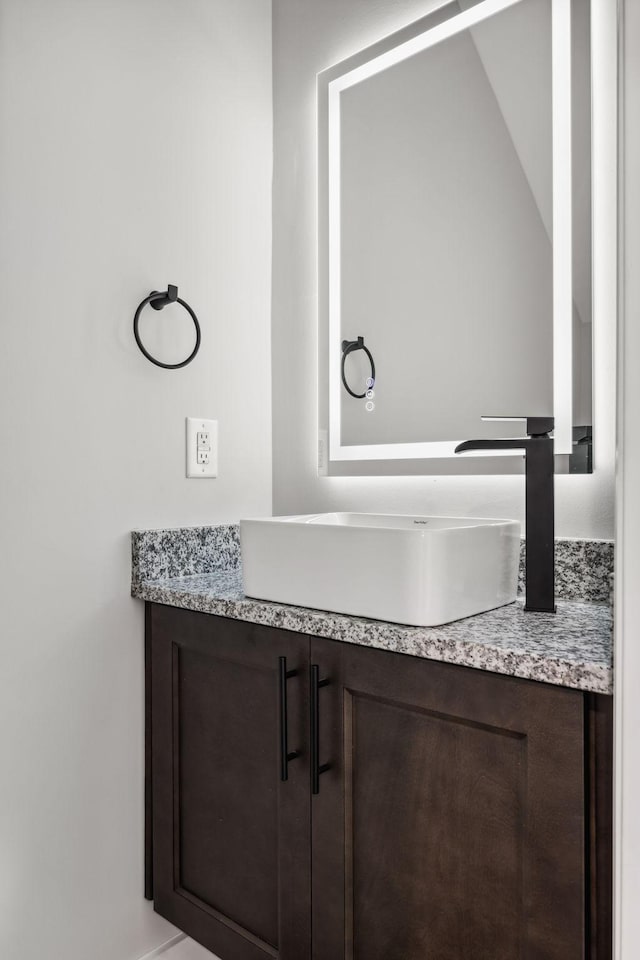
[231,850]
[459,815]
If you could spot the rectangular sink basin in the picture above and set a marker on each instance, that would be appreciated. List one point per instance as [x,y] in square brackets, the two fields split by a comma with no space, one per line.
[416,570]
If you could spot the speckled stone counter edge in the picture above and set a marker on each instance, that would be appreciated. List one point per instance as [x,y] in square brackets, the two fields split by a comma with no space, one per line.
[570,649]
[583,567]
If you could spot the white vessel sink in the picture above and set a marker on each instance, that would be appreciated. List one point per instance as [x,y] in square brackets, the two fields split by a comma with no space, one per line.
[406,569]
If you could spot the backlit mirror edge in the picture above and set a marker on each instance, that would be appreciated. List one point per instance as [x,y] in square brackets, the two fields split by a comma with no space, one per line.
[335,458]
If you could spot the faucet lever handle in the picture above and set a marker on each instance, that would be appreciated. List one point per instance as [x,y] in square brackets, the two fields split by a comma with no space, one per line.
[536,426]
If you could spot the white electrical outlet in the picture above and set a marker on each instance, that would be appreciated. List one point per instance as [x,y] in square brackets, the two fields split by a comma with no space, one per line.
[202,448]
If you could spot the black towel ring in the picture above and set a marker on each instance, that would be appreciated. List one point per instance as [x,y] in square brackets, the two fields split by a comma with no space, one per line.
[348,346]
[159,301]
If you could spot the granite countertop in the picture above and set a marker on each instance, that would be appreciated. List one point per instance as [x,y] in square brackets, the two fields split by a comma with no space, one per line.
[572,648]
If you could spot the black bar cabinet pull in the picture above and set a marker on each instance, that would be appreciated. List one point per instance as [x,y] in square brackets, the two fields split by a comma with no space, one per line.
[316,767]
[285,755]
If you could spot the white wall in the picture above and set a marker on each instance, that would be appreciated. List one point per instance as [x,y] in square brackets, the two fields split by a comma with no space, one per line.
[308,37]
[135,150]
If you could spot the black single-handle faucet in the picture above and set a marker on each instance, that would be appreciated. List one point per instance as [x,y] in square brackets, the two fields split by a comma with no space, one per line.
[539,471]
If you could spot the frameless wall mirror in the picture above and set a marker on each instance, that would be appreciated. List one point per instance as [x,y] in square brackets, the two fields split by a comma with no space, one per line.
[455,239]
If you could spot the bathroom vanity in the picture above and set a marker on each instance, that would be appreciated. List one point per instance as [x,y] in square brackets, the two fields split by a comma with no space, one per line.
[321,786]
[311,794]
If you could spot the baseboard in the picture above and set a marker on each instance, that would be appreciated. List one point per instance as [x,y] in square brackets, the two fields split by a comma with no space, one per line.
[164,946]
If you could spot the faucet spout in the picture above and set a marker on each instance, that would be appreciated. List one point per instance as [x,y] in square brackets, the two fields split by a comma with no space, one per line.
[506,444]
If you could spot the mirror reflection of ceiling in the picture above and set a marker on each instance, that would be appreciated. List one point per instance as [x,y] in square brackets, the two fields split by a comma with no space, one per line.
[446,234]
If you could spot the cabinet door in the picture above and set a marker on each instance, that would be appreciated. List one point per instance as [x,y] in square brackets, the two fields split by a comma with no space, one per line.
[453,807]
[230,837]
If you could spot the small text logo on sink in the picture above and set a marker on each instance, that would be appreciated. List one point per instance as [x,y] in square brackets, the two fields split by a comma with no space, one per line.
[423,522]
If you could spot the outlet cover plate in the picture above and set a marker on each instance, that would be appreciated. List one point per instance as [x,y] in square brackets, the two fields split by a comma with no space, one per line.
[196,469]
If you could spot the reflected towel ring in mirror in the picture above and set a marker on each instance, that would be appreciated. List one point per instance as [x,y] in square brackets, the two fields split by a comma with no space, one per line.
[348,346]
[159,301]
